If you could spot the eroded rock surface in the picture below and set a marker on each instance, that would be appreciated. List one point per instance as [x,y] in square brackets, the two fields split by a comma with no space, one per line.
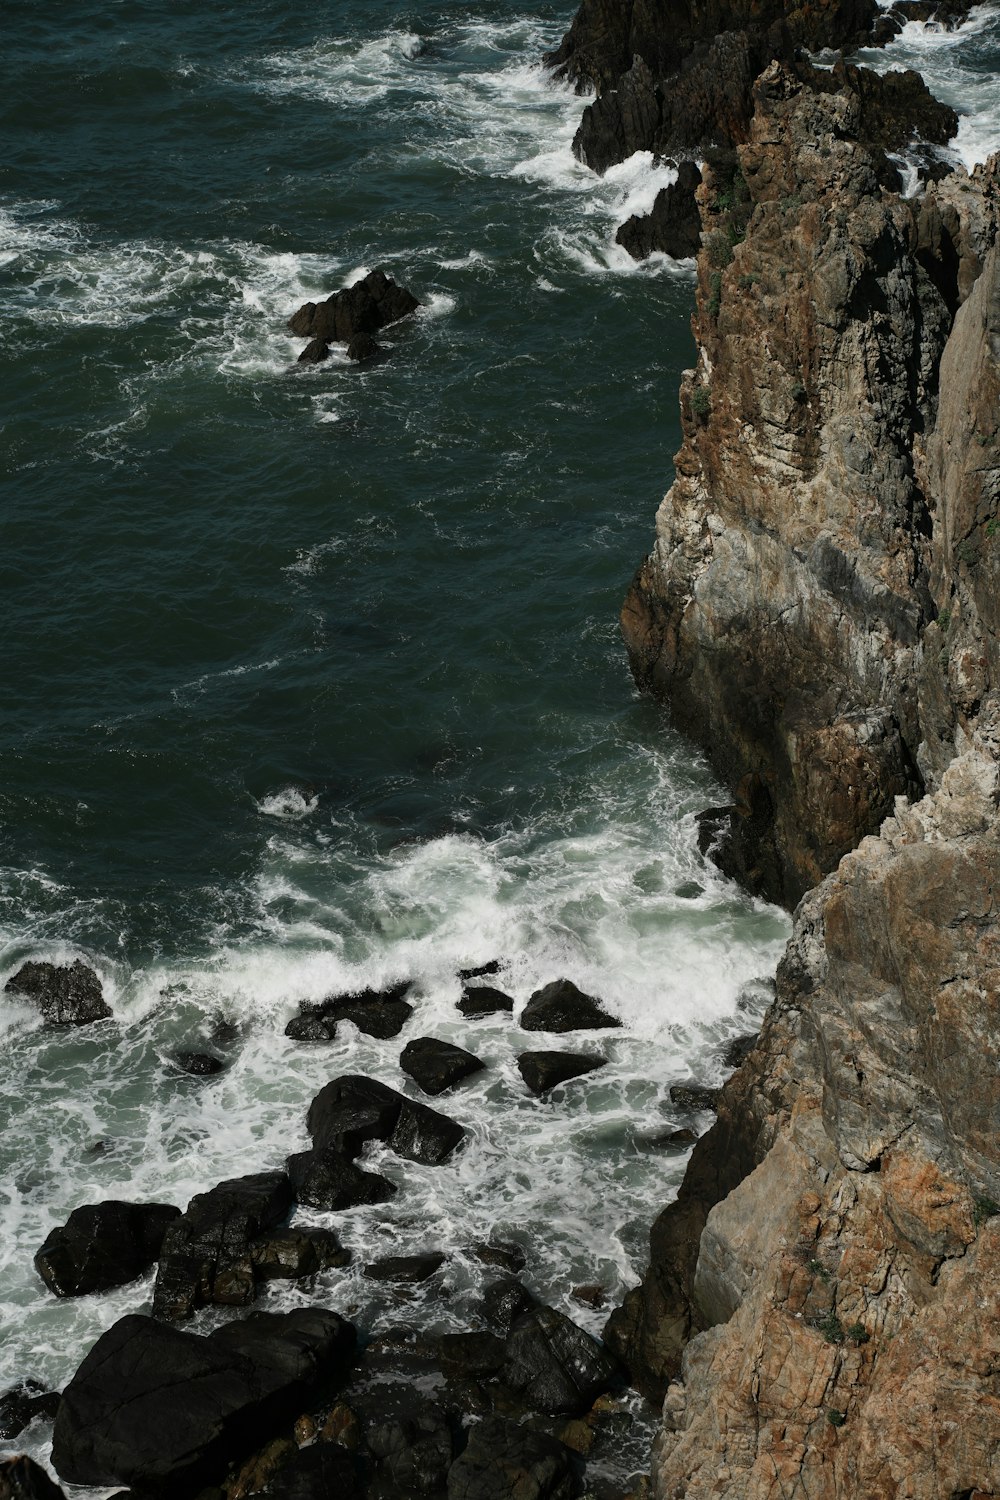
[66,994]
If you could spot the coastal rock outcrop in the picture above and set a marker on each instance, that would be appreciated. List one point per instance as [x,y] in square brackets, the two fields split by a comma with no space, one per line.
[351,316]
[102,1245]
[66,994]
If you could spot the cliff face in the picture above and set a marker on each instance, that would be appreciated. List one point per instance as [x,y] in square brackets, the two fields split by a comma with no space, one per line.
[820,613]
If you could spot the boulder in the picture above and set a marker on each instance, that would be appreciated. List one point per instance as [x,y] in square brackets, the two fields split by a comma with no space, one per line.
[315,352]
[694,1096]
[505,1461]
[482,1000]
[542,1071]
[323,1178]
[378,1013]
[66,994]
[22,1405]
[291,1253]
[501,1253]
[560,1006]
[352,1110]
[504,1301]
[370,304]
[316,1473]
[207,1253]
[437,1065]
[200,1064]
[102,1245]
[673,227]
[555,1365]
[736,1052]
[408,1269]
[22,1479]
[167,1411]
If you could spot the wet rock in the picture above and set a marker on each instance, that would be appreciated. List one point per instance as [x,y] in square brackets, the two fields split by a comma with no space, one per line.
[665,1140]
[200,1064]
[167,1411]
[406,1269]
[66,994]
[693,1096]
[504,1301]
[102,1245]
[291,1253]
[738,1050]
[370,304]
[673,225]
[22,1479]
[502,1253]
[555,1365]
[323,1178]
[589,1296]
[542,1071]
[352,1110]
[423,1135]
[560,1006]
[505,1461]
[22,1405]
[207,1253]
[483,971]
[482,1000]
[363,347]
[315,352]
[378,1013]
[470,1355]
[436,1065]
[316,1473]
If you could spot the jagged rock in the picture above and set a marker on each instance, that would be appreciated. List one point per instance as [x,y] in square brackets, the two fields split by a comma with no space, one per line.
[323,1178]
[102,1245]
[352,1110]
[481,971]
[542,1071]
[505,1300]
[501,1253]
[481,1000]
[736,1052]
[378,1013]
[505,1461]
[560,1006]
[590,1295]
[293,1253]
[423,1135]
[555,1365]
[66,994]
[673,226]
[436,1065]
[22,1405]
[370,304]
[200,1064]
[362,347]
[167,1411]
[664,1140]
[207,1253]
[408,1269]
[315,352]
[693,1096]
[22,1479]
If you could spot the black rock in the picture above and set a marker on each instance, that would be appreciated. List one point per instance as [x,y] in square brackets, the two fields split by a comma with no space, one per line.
[556,1366]
[363,346]
[316,1473]
[22,1479]
[673,225]
[207,1253]
[560,1006]
[470,1355]
[408,1269]
[481,1000]
[352,1110]
[693,1096]
[738,1050]
[315,352]
[378,1013]
[66,994]
[166,1411]
[102,1245]
[370,304]
[201,1064]
[505,1461]
[22,1405]
[483,971]
[323,1178]
[504,1301]
[437,1065]
[291,1253]
[501,1253]
[423,1135]
[413,1450]
[542,1071]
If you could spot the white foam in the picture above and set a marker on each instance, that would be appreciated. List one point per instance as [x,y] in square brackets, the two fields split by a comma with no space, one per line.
[291,803]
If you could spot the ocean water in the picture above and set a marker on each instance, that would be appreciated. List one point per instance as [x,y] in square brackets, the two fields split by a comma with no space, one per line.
[312,677]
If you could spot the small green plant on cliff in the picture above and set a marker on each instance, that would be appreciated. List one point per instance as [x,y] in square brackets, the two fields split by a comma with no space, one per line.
[714,304]
[701,402]
[718,249]
[818,1269]
[836,1417]
[746,282]
[992,526]
[967,552]
[858,1333]
[831,1328]
[798,391]
[790,203]
[944,618]
[983,1208]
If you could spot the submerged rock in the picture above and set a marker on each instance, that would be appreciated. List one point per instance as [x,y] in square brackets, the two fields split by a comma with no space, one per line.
[66,994]
[363,347]
[436,1065]
[561,1006]
[408,1269]
[481,971]
[199,1064]
[22,1404]
[501,1253]
[103,1245]
[695,1096]
[167,1411]
[542,1071]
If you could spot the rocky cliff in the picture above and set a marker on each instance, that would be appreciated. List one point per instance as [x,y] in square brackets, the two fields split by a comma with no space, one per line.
[819,610]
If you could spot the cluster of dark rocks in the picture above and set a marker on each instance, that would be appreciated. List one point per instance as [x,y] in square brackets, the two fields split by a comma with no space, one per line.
[352,317]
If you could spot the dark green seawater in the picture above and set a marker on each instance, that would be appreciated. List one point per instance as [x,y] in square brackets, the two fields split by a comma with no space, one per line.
[311,676]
